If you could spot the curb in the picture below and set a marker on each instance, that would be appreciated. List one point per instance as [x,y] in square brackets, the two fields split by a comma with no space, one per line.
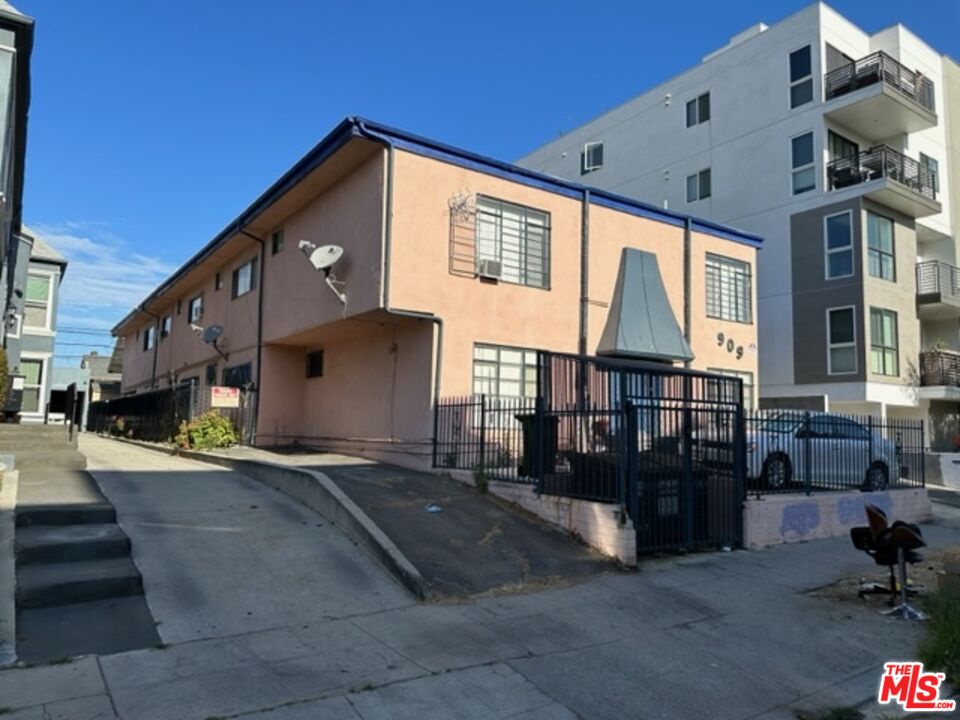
[322,495]
[8,582]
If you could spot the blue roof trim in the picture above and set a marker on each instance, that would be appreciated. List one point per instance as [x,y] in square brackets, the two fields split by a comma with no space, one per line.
[354,127]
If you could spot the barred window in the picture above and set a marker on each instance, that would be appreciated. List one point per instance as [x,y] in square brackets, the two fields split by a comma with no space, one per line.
[720,392]
[504,372]
[729,289]
[516,237]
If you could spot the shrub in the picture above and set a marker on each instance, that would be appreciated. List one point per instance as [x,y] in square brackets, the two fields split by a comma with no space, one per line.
[940,647]
[210,430]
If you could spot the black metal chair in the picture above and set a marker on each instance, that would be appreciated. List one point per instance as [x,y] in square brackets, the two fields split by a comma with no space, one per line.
[890,546]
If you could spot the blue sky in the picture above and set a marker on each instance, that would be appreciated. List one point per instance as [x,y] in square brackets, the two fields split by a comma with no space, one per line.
[154,123]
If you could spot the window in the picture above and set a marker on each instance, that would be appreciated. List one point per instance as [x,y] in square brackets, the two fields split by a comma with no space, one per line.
[179,306]
[245,278]
[841,341]
[698,110]
[195,310]
[238,375]
[802,164]
[884,359]
[212,374]
[315,364]
[837,59]
[516,237]
[729,289]
[840,147]
[746,379]
[504,372]
[217,282]
[838,245]
[592,156]
[166,326]
[36,306]
[149,337]
[880,247]
[698,186]
[801,77]
[32,371]
[933,172]
[276,242]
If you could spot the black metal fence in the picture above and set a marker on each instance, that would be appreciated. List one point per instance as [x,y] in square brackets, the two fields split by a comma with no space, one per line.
[617,432]
[156,415]
[878,162]
[790,451]
[940,367]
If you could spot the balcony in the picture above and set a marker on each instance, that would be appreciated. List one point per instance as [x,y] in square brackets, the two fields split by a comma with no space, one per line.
[940,375]
[938,290]
[879,98]
[888,177]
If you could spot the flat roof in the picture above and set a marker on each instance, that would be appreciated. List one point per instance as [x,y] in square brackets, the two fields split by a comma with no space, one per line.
[354,127]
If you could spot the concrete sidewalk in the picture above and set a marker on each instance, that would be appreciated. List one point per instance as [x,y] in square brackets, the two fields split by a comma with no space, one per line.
[722,635]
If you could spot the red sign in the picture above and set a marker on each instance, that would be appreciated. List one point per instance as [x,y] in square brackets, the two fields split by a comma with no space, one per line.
[224,397]
[913,689]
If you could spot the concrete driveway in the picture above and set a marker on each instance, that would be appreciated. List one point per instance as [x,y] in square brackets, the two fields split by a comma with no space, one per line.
[720,635]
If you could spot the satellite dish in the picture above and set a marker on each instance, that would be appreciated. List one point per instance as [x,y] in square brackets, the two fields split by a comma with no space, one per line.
[212,334]
[325,256]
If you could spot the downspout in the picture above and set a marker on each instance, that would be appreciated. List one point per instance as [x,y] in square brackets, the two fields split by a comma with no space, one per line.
[686,283]
[156,346]
[385,267]
[584,271]
[263,252]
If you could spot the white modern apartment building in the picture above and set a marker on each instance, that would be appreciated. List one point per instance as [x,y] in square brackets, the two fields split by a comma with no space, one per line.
[842,149]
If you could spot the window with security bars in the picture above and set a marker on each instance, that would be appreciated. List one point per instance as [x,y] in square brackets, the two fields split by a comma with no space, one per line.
[504,372]
[729,289]
[723,392]
[516,237]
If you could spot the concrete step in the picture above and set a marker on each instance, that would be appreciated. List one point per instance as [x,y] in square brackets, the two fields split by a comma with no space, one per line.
[9,430]
[52,584]
[18,445]
[69,543]
[94,513]
[55,459]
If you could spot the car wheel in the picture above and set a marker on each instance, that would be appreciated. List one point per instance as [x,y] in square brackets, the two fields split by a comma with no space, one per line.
[776,472]
[877,478]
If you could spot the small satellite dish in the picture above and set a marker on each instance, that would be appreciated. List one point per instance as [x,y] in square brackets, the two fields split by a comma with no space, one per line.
[325,256]
[212,334]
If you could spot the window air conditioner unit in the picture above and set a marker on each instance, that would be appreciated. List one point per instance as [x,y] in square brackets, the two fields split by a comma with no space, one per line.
[492,269]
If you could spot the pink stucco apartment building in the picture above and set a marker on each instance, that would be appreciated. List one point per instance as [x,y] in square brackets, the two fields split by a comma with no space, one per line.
[454,266]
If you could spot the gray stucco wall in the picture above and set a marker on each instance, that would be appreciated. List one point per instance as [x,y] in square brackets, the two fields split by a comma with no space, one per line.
[813,294]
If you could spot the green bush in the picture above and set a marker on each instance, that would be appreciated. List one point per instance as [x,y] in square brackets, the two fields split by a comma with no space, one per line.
[210,430]
[940,647]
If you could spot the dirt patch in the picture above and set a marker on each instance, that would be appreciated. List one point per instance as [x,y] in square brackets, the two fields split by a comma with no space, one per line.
[922,575]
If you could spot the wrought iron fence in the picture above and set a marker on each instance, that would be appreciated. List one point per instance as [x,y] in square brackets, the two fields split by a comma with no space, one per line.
[940,367]
[156,415]
[882,162]
[792,451]
[876,68]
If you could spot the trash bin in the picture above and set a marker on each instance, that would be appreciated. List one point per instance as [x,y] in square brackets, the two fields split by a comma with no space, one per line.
[528,428]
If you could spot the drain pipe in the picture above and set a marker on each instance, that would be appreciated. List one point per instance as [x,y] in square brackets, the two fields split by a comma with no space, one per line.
[385,265]
[686,282]
[584,272]
[156,345]
[263,252]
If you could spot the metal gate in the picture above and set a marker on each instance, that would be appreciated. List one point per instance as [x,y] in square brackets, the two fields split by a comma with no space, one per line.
[665,443]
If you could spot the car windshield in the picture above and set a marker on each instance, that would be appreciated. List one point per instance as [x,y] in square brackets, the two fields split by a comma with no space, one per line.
[781,423]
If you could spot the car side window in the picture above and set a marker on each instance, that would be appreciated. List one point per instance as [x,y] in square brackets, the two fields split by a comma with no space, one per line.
[849,430]
[817,428]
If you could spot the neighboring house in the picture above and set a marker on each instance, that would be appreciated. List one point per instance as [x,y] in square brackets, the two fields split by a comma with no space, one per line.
[104,378]
[456,267]
[16,45]
[841,148]
[32,332]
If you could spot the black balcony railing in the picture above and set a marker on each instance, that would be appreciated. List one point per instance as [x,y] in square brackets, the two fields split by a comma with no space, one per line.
[938,278]
[940,367]
[878,162]
[876,68]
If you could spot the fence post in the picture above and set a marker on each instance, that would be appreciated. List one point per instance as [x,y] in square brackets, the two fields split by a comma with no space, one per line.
[688,488]
[483,432]
[538,442]
[870,444]
[436,427]
[628,480]
[807,456]
[923,457]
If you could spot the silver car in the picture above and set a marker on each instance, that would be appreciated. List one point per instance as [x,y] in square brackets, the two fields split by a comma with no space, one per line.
[823,449]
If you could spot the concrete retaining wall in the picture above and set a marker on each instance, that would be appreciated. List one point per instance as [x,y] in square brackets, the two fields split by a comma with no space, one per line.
[777,519]
[599,525]
[8,583]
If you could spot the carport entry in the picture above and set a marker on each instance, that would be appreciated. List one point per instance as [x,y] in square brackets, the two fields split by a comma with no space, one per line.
[664,443]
